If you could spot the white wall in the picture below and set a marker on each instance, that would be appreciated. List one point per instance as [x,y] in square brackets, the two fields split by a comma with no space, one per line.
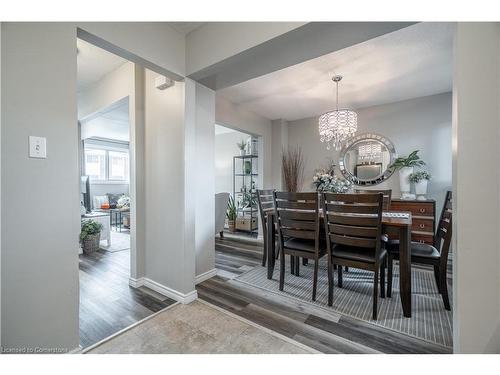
[170,258]
[105,128]
[279,143]
[155,42]
[39,257]
[113,87]
[418,124]
[476,144]
[225,149]
[216,41]
[204,180]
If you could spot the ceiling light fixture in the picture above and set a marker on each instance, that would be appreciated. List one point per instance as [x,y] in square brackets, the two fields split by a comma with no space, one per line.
[336,126]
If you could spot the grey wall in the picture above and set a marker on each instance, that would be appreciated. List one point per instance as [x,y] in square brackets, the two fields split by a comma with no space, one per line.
[476,202]
[39,254]
[418,124]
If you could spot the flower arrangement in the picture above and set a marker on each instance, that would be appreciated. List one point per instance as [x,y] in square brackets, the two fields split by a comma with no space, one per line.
[412,160]
[419,176]
[325,181]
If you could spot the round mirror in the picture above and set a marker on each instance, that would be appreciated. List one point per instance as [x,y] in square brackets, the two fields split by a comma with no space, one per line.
[365,159]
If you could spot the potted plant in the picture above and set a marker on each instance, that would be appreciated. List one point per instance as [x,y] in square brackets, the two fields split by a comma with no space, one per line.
[405,166]
[242,146]
[90,235]
[231,214]
[420,179]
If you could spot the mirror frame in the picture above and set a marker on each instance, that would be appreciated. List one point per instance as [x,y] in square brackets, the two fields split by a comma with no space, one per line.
[362,137]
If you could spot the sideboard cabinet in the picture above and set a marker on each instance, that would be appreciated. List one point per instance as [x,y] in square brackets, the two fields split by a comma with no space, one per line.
[423,218]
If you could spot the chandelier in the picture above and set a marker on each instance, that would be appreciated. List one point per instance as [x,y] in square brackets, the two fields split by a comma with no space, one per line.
[336,126]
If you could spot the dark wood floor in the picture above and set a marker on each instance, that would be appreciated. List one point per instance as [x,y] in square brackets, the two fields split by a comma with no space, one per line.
[328,333]
[107,303]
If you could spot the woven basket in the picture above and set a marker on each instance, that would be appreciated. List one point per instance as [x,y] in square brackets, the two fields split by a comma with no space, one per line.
[91,243]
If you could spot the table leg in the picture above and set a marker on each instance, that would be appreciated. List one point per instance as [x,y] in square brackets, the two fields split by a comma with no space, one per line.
[405,269]
[271,246]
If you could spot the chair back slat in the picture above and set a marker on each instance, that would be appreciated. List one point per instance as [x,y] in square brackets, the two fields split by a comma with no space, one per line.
[356,240]
[366,208]
[350,230]
[442,239]
[297,216]
[354,220]
[387,195]
[298,205]
[358,220]
[265,199]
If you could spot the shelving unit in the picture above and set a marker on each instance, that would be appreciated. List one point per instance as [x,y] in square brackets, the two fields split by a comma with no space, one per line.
[245,174]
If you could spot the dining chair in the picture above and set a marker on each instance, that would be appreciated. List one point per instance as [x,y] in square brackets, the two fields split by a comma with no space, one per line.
[436,256]
[353,227]
[387,195]
[265,199]
[298,231]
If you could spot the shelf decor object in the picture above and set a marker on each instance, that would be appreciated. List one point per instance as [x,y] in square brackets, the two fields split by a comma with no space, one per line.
[336,126]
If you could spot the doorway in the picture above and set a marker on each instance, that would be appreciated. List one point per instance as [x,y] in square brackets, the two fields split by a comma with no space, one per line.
[106,122]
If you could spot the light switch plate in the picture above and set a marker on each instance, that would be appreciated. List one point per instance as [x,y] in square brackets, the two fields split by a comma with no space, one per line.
[38,147]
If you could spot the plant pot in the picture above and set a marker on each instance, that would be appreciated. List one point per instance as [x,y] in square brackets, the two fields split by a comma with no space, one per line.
[242,152]
[421,189]
[91,243]
[404,181]
[231,225]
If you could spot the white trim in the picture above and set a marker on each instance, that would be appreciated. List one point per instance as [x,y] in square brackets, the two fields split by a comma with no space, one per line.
[126,329]
[205,276]
[136,283]
[76,350]
[267,330]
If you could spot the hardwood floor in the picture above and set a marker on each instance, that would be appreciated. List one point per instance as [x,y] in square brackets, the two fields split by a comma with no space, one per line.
[324,331]
[107,303]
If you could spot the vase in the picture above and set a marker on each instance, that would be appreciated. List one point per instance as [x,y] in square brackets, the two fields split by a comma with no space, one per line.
[231,225]
[242,152]
[421,189]
[404,181]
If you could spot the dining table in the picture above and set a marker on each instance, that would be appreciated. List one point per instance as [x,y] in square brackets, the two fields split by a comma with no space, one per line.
[396,224]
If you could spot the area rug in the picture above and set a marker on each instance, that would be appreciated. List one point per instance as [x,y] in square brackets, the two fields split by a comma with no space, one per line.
[429,321]
[119,241]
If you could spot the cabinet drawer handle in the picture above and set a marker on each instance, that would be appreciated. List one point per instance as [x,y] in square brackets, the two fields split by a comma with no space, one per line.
[422,225]
[421,241]
[422,210]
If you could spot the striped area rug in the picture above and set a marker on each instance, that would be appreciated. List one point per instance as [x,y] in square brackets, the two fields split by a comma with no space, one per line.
[429,321]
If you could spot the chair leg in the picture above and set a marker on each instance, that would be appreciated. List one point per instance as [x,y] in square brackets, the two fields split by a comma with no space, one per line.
[375,294]
[292,264]
[437,277]
[382,279]
[330,282]
[305,261]
[389,276]
[315,278]
[346,269]
[297,266]
[444,289]
[221,233]
[277,250]
[339,276]
[282,270]
[264,252]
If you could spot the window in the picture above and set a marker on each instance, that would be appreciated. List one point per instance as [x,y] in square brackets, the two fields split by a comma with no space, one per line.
[118,165]
[95,164]
[104,165]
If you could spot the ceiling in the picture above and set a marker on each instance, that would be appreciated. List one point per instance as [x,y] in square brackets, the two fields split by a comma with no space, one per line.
[412,62]
[185,27]
[94,63]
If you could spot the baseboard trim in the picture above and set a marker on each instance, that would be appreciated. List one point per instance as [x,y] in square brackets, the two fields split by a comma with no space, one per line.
[136,283]
[205,276]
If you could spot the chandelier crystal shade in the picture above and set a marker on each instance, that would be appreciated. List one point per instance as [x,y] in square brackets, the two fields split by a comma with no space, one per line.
[336,126]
